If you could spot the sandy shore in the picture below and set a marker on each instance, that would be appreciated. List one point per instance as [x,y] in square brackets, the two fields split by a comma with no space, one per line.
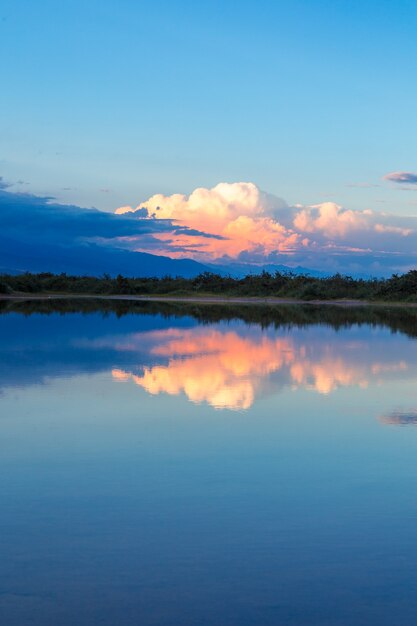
[204,300]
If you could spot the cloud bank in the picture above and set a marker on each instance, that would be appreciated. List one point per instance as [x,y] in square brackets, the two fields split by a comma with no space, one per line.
[246,224]
[227,224]
[37,234]
[41,219]
[238,216]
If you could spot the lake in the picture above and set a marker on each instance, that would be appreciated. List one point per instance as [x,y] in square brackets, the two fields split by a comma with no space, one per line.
[185,465]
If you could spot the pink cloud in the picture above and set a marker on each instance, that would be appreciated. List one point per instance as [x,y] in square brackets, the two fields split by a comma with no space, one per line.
[242,221]
[240,213]
[330,219]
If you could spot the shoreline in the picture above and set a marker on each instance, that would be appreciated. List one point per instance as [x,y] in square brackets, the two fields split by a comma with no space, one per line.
[232,300]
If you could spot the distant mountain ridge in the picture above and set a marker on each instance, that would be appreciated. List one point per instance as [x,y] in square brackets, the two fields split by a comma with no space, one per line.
[93,260]
[239,270]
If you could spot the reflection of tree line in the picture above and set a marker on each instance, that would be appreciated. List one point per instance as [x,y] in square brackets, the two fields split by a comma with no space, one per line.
[396,318]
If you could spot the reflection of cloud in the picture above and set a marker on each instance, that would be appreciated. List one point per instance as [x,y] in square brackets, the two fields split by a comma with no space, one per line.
[400,418]
[227,369]
[325,376]
[379,368]
[120,375]
[223,369]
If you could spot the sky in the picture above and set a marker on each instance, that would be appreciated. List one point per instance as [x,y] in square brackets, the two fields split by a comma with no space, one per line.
[109,104]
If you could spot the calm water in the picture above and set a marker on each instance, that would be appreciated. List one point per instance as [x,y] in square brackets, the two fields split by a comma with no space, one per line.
[204,466]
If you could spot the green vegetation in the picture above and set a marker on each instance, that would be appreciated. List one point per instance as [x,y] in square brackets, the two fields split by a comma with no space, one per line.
[398,288]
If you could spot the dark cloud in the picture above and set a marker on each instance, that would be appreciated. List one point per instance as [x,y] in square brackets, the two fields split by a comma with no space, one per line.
[37,234]
[197,233]
[39,219]
[143,212]
[402,177]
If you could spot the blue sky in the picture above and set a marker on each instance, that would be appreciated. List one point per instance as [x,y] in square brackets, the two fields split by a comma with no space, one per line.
[120,105]
[110,102]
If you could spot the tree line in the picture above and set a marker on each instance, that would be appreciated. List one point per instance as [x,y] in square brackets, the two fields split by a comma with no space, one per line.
[397,288]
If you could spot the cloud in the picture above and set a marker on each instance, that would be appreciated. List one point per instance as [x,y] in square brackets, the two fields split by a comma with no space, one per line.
[239,217]
[330,219]
[33,218]
[249,225]
[402,177]
[231,222]
[38,234]
[337,223]
[404,232]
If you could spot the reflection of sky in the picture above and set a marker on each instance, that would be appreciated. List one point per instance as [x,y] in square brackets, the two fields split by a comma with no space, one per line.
[39,346]
[118,502]
[227,365]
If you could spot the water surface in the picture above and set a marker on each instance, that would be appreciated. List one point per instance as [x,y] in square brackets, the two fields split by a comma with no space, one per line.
[174,465]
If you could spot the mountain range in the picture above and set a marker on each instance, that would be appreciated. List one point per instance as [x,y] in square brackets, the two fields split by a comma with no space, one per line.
[95,260]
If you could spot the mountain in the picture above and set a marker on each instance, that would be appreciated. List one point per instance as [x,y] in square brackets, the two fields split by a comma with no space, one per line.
[238,270]
[93,260]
